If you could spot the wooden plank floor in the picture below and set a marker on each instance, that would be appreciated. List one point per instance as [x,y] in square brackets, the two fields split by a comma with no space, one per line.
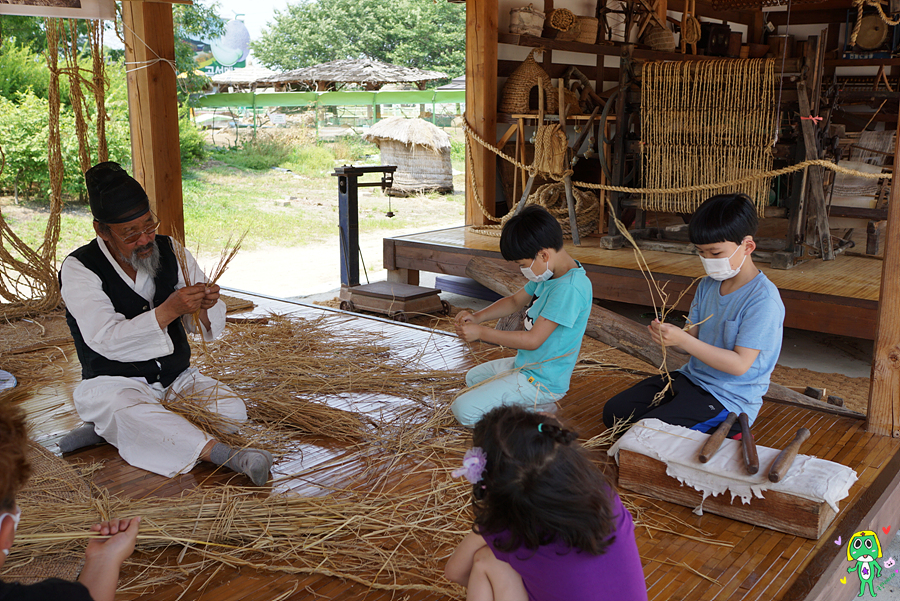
[753,564]
[835,297]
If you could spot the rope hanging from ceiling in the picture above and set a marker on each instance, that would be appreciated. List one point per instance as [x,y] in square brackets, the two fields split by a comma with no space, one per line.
[706,122]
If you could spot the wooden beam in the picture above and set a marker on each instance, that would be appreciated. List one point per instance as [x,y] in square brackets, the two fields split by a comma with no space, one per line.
[153,109]
[884,391]
[481,105]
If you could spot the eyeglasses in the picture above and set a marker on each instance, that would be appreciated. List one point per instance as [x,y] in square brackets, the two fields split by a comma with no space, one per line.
[135,236]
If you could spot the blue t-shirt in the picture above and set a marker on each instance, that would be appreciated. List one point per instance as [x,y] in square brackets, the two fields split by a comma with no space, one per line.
[566,301]
[752,317]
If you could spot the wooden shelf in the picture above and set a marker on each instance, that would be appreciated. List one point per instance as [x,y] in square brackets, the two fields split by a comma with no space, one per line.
[862,62]
[791,65]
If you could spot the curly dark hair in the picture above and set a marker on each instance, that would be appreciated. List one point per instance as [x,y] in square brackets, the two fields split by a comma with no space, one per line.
[538,485]
[14,467]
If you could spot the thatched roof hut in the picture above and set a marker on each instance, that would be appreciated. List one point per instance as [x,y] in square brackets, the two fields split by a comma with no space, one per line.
[366,72]
[421,152]
[245,77]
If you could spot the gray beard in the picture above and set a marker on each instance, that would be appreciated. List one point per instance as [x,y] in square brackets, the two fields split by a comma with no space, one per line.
[148,265]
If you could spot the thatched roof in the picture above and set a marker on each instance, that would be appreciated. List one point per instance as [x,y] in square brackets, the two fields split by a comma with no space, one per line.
[244,76]
[362,71]
[409,131]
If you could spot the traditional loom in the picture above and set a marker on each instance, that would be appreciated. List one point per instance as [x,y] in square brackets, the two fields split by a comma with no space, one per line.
[688,124]
[661,460]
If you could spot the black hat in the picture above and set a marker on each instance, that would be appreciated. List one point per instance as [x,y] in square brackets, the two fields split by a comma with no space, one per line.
[115,196]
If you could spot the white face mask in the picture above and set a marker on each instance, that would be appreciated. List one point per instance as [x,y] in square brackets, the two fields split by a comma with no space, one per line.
[526,271]
[720,269]
[15,518]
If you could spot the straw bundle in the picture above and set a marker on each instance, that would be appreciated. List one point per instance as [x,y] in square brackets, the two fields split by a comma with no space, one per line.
[299,373]
[421,152]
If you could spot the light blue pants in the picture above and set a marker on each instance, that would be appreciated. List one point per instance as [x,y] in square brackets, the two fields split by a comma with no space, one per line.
[497,383]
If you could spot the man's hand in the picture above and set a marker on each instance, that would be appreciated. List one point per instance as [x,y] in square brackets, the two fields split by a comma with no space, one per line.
[210,297]
[666,333]
[183,301]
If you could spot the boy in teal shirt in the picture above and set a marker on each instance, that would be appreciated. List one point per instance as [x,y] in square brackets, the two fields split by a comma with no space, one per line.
[558,298]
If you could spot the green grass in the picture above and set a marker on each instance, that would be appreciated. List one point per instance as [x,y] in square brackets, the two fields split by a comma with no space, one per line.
[237,191]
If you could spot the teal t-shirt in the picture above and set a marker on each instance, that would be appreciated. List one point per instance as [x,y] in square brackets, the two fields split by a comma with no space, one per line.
[566,301]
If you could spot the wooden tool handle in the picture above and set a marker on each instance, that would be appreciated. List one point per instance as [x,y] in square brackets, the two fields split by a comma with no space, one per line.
[783,462]
[715,441]
[751,459]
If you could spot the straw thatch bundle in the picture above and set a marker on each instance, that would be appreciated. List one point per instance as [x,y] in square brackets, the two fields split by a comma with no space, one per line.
[421,152]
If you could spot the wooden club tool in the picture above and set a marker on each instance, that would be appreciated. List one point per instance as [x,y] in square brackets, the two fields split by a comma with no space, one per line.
[751,459]
[785,458]
[715,441]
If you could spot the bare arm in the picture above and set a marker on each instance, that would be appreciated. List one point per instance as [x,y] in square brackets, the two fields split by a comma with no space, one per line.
[735,362]
[501,308]
[459,566]
[526,340]
[104,556]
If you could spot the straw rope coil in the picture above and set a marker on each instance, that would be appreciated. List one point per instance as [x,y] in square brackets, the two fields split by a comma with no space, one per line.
[551,149]
[706,122]
[691,31]
[561,19]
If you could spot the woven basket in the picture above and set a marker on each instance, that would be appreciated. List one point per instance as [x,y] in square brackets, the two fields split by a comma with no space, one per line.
[526,20]
[587,30]
[659,38]
[553,198]
[514,99]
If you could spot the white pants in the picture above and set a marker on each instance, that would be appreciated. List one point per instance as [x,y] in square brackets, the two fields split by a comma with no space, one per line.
[496,383]
[127,413]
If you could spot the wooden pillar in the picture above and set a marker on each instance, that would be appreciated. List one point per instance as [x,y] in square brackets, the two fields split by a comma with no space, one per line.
[153,109]
[481,105]
[883,415]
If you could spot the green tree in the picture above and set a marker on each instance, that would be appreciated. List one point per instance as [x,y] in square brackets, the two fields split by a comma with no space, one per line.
[412,33]
[25,31]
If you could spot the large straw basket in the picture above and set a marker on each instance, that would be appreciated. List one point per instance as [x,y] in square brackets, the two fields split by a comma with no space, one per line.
[519,95]
[553,198]
[587,30]
[659,38]
[526,20]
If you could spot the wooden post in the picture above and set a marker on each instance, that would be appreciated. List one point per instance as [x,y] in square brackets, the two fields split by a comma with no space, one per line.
[481,105]
[153,109]
[884,390]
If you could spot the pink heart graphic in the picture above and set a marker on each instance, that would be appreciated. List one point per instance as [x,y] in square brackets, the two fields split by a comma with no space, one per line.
[886,529]
[838,541]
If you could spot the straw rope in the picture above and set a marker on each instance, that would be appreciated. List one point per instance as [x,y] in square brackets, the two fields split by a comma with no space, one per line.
[707,187]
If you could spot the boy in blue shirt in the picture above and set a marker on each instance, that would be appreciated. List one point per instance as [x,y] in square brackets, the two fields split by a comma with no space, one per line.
[558,298]
[737,339]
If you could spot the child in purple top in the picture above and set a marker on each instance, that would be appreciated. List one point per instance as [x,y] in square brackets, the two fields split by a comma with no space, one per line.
[548,526]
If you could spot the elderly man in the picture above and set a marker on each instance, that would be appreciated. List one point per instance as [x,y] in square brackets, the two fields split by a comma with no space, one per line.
[129,311]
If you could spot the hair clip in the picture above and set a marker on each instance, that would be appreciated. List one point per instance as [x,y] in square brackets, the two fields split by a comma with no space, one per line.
[540,427]
[474,463]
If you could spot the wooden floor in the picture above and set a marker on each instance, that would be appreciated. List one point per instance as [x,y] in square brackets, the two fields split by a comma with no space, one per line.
[834,297]
[746,562]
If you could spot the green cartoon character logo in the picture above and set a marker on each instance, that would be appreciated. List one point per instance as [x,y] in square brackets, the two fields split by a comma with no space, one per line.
[862,549]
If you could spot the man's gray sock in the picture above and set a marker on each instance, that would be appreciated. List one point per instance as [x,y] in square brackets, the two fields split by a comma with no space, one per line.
[254,463]
[82,436]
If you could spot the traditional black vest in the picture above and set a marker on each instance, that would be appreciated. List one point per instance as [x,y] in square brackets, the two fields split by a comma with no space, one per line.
[130,304]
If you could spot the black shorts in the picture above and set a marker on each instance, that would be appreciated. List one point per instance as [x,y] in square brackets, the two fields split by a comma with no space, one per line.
[685,404]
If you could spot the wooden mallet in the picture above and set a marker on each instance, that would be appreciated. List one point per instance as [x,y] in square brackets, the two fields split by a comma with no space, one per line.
[785,458]
[751,459]
[715,441]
